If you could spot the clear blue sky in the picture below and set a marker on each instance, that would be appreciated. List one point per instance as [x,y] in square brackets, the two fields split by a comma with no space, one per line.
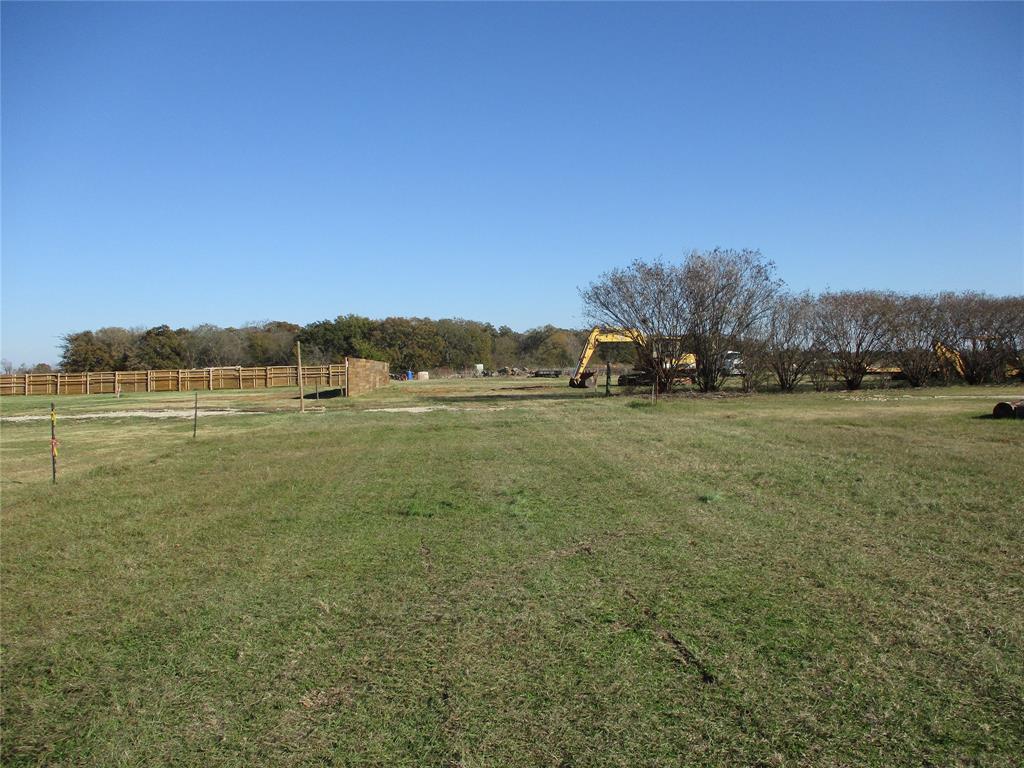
[183,163]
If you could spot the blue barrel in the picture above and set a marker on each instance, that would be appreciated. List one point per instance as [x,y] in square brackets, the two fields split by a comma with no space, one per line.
[408,375]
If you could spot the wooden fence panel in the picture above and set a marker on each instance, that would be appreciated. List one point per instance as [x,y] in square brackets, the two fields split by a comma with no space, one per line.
[72,384]
[133,381]
[354,377]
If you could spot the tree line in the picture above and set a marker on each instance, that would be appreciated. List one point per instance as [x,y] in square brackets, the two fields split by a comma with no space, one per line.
[720,301]
[406,343]
[709,304]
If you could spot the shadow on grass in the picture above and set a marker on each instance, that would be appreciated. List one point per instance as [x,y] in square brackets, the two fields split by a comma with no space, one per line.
[509,398]
[325,394]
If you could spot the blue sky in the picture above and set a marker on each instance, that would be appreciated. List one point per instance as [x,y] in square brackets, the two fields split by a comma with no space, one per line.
[184,163]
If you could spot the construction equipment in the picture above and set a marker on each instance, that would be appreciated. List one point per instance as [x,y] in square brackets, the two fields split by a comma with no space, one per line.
[953,359]
[581,377]
[950,357]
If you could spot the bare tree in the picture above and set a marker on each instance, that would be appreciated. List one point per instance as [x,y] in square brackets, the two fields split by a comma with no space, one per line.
[790,342]
[822,370]
[971,325]
[913,325]
[726,294]
[1012,310]
[852,327]
[211,346]
[756,362]
[647,302]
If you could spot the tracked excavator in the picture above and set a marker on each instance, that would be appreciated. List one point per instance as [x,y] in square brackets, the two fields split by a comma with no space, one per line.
[581,377]
[952,358]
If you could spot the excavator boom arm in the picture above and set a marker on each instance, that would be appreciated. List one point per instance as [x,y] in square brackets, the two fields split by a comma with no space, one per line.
[599,336]
[951,356]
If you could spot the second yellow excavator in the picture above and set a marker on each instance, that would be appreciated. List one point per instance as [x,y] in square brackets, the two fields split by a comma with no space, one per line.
[952,358]
[581,377]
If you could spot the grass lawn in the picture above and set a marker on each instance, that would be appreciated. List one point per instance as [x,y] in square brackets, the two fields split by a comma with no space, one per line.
[527,575]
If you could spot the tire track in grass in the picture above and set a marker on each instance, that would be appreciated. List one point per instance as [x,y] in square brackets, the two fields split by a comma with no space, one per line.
[683,655]
[436,612]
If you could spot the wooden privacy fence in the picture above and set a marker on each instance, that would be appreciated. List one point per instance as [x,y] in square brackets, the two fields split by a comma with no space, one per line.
[353,377]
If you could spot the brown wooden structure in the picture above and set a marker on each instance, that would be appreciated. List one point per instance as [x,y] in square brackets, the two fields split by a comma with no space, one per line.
[353,377]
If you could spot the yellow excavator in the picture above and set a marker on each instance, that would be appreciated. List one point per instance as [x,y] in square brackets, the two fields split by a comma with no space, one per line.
[581,377]
[952,358]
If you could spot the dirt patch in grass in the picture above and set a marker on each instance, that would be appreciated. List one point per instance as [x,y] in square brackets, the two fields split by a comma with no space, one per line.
[429,408]
[167,413]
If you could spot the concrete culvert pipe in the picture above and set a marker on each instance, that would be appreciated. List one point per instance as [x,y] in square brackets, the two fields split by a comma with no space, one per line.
[1006,410]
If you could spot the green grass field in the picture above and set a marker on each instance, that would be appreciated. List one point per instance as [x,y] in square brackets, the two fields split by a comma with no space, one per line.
[530,576]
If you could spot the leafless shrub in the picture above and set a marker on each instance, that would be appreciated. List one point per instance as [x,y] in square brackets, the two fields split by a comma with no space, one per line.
[913,325]
[756,363]
[727,293]
[790,339]
[978,332]
[852,326]
[648,300]
[1012,309]
[821,370]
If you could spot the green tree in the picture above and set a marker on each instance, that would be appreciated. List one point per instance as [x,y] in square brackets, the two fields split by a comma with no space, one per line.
[345,336]
[270,343]
[157,349]
[409,343]
[466,343]
[107,349]
[81,352]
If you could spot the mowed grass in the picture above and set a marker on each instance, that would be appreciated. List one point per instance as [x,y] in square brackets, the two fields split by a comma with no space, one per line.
[531,576]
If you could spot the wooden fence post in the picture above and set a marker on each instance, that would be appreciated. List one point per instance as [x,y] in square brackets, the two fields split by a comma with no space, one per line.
[298,355]
[53,441]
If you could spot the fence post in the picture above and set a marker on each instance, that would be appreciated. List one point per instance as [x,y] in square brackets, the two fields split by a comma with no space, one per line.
[298,355]
[347,392]
[53,441]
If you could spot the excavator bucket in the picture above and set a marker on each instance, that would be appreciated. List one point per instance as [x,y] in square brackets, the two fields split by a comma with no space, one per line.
[585,379]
